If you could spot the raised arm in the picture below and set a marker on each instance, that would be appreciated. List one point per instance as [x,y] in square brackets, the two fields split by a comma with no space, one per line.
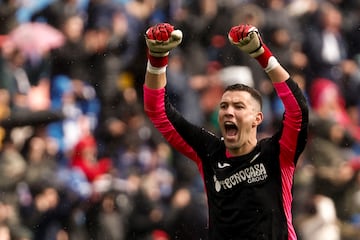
[248,40]
[160,39]
[295,121]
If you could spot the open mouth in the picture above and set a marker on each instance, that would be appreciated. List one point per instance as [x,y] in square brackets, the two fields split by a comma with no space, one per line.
[230,129]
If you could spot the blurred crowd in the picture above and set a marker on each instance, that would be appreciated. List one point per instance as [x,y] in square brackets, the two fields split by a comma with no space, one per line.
[80,160]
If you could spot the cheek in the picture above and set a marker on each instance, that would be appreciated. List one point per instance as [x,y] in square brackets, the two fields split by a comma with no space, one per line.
[220,115]
[245,118]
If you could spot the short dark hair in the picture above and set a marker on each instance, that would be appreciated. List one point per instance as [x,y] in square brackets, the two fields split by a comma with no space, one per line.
[242,87]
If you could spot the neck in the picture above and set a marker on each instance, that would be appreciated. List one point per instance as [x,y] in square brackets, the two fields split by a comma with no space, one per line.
[244,149]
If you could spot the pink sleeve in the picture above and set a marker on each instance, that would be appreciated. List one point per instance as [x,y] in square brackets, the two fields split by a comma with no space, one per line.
[292,124]
[154,106]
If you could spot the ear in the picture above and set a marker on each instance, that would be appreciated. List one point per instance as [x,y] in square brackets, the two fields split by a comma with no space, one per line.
[258,119]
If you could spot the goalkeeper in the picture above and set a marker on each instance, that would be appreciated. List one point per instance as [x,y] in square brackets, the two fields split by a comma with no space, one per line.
[248,181]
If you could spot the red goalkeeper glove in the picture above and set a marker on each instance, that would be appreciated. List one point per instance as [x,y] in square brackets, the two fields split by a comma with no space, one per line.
[160,39]
[247,38]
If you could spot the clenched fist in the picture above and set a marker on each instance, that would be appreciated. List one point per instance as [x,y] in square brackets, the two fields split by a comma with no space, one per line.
[161,38]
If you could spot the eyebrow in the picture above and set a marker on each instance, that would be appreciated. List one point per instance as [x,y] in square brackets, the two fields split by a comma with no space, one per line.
[233,102]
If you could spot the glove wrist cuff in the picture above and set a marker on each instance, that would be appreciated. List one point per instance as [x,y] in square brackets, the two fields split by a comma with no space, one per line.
[272,63]
[158,61]
[263,58]
[155,70]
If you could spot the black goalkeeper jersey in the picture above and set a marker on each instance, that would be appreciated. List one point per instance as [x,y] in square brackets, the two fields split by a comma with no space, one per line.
[249,196]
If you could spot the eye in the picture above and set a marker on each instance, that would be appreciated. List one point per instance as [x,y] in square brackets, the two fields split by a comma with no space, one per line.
[239,106]
[223,106]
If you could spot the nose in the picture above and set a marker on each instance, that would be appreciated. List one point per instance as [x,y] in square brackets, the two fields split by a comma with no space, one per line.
[229,111]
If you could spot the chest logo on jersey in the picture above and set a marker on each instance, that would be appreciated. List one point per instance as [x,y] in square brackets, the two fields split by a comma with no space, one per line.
[252,174]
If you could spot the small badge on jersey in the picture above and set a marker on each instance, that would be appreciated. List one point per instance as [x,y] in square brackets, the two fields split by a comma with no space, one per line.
[223,165]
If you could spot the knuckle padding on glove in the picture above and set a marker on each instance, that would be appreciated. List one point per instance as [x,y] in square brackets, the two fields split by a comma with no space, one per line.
[161,32]
[161,38]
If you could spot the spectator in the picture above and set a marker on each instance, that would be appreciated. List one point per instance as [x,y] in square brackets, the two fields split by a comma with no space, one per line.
[78,102]
[12,166]
[56,12]
[328,103]
[334,172]
[48,212]
[322,223]
[325,44]
[85,158]
[111,218]
[148,211]
[8,22]
[71,58]
[184,202]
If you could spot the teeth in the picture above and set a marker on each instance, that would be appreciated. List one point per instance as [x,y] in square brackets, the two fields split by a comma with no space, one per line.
[230,125]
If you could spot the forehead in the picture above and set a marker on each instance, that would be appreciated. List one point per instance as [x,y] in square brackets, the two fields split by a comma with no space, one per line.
[243,97]
[236,96]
